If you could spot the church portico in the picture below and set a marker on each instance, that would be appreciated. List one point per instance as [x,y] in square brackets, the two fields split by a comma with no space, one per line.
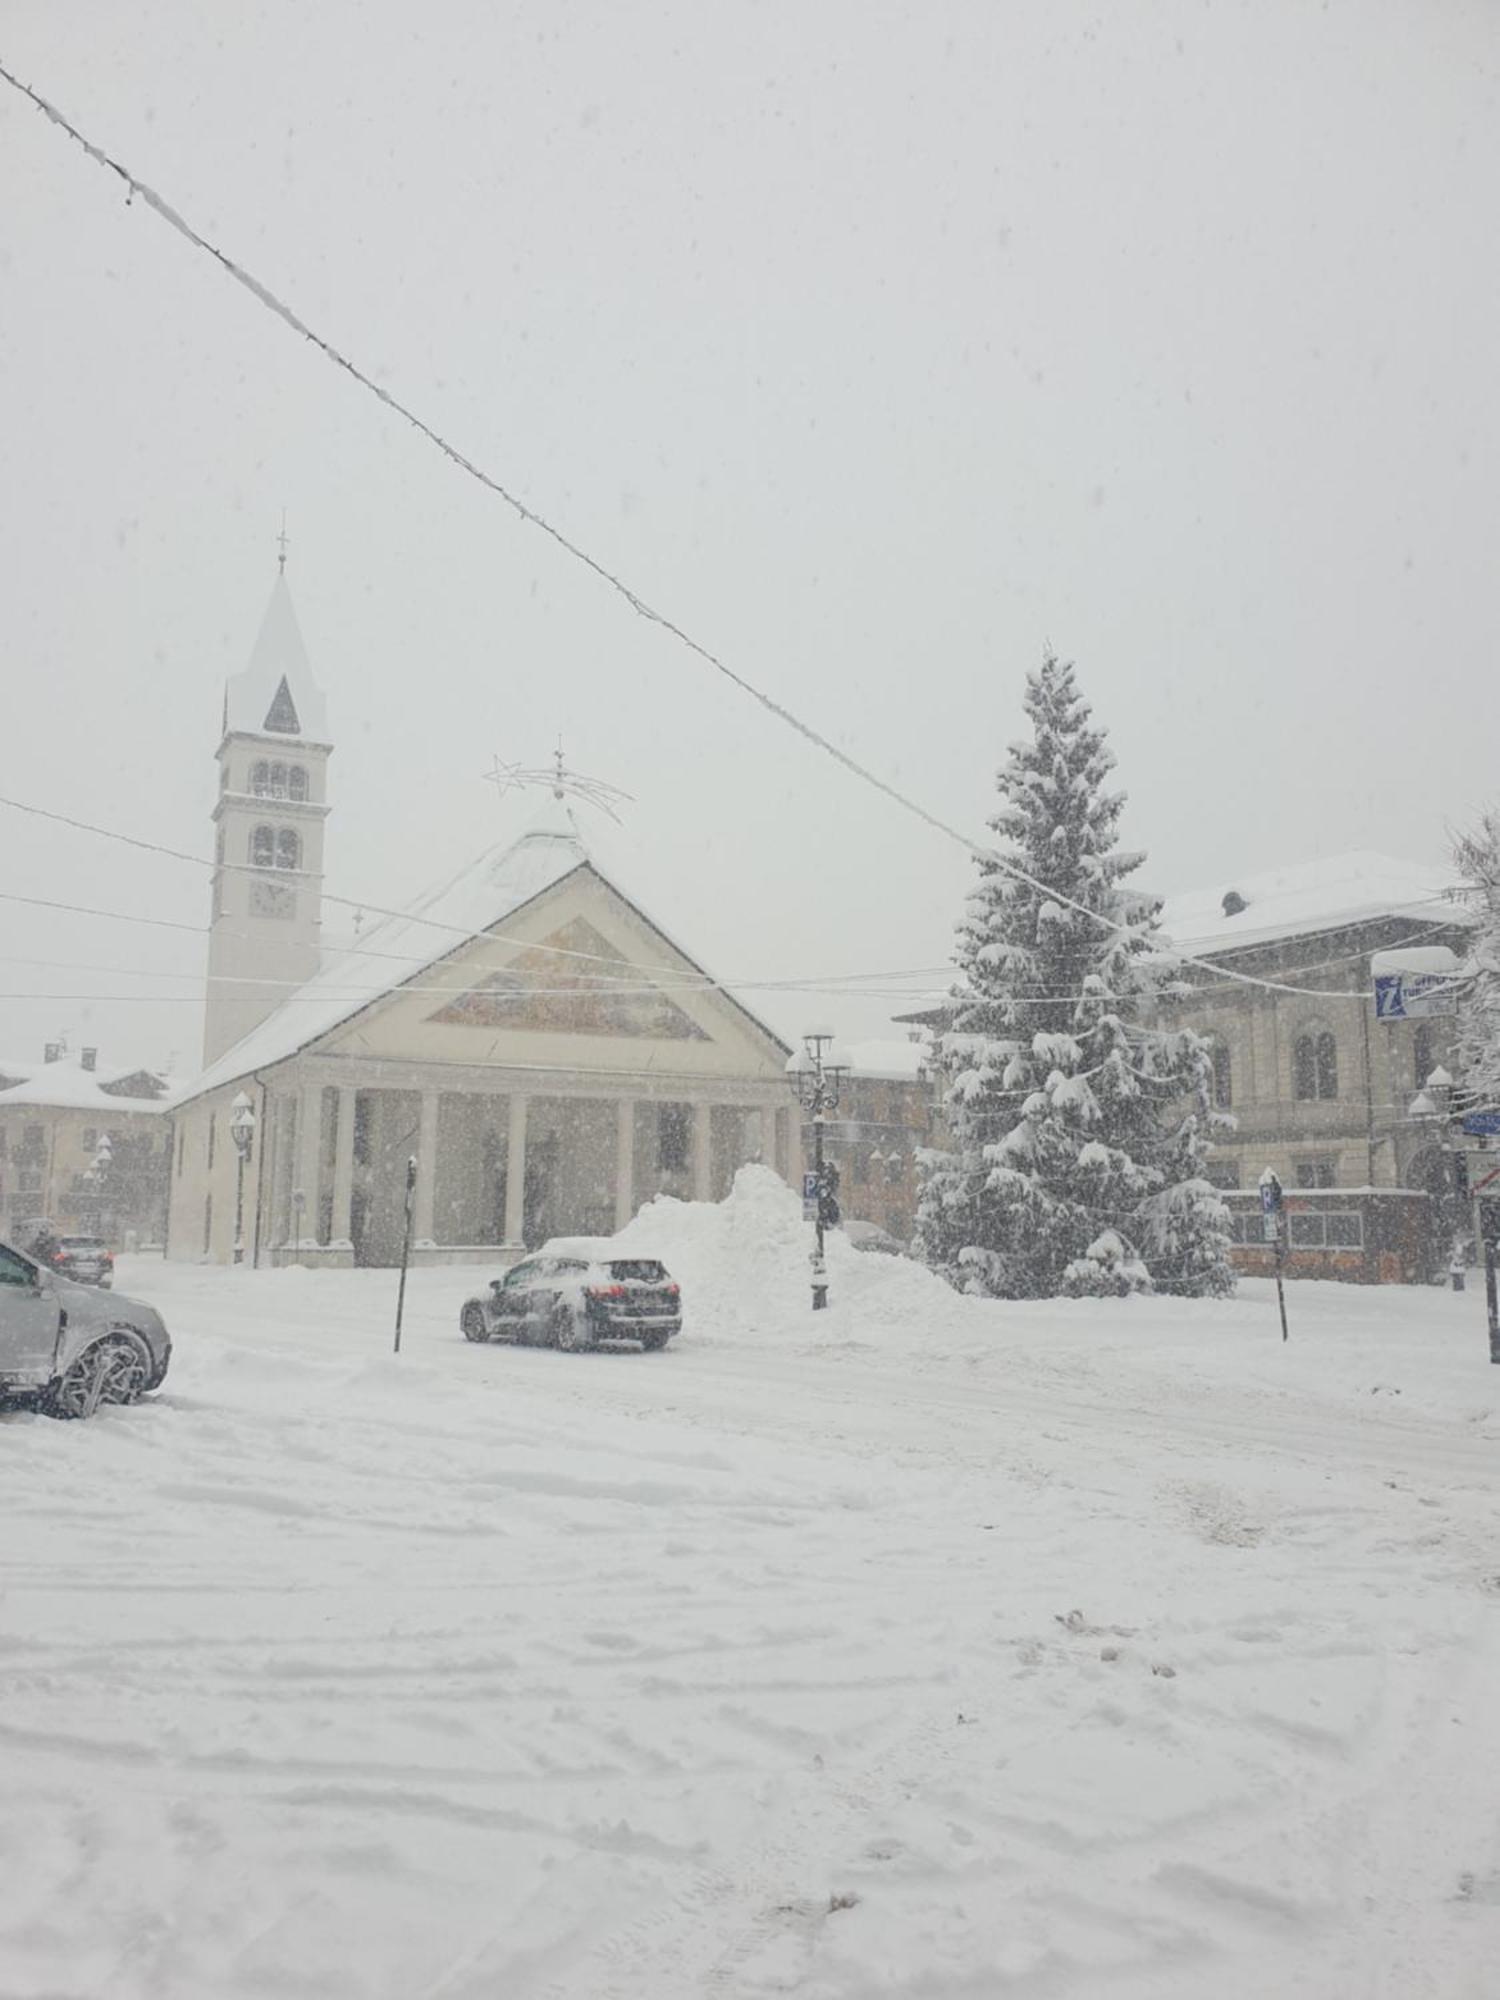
[503,1161]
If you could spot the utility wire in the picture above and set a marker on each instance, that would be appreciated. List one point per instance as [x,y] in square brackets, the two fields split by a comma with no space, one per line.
[265,297]
[859,984]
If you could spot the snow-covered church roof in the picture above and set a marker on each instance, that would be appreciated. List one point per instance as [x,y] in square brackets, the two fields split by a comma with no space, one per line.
[276,695]
[479,898]
[1310,896]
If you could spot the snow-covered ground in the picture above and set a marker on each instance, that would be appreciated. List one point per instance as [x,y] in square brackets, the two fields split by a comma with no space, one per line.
[927,1648]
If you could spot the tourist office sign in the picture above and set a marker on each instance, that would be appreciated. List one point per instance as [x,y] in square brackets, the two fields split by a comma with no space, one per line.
[1416,984]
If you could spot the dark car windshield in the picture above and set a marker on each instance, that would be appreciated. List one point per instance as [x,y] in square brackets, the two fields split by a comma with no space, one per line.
[644,1268]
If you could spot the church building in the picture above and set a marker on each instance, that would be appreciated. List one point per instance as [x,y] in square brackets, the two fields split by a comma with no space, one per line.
[525,1032]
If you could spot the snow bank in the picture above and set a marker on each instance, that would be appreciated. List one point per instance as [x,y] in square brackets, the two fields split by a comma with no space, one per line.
[744,1267]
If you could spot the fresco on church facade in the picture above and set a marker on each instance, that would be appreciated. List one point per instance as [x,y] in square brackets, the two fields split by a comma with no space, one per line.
[601,1000]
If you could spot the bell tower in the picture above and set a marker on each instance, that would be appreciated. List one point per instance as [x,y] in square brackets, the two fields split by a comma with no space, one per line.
[268,859]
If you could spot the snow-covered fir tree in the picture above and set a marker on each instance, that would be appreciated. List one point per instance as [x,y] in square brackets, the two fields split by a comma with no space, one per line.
[1079,1114]
[1478,1040]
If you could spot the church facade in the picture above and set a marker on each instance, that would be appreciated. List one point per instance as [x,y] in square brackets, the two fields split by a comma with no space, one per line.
[543,1051]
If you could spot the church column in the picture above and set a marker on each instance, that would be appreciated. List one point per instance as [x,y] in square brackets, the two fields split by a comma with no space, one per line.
[308,1157]
[624,1162]
[515,1173]
[342,1227]
[426,1188]
[703,1152]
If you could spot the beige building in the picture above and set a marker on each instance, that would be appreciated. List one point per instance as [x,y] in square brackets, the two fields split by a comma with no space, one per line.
[539,1046]
[82,1148]
[1320,1088]
[1339,1101]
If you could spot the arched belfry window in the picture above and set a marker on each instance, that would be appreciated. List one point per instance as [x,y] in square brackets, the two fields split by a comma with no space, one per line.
[288,848]
[263,847]
[296,782]
[260,780]
[1315,1065]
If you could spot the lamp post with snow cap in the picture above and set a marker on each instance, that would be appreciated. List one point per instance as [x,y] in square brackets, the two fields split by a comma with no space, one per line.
[242,1131]
[1433,1108]
[816,1075]
[95,1176]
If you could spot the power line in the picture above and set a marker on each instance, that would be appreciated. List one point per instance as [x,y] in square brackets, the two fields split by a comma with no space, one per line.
[266,298]
[858,984]
[115,916]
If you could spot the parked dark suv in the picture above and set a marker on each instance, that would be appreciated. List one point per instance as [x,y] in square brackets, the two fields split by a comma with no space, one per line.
[84,1259]
[574,1293]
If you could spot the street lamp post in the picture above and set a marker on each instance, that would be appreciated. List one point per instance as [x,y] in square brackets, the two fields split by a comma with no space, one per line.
[816,1077]
[98,1177]
[1433,1108]
[242,1131]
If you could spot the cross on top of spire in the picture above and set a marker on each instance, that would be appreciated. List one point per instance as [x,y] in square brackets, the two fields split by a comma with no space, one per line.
[282,545]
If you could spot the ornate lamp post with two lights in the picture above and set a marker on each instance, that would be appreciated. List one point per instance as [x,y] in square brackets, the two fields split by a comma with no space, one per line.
[816,1076]
[242,1131]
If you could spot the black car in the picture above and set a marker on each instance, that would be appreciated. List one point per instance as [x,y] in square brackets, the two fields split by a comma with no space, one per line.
[573,1294]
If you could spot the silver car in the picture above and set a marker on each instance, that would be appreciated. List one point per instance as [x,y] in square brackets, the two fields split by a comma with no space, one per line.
[67,1348]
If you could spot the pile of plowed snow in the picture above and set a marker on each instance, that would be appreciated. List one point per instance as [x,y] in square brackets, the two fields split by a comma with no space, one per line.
[743,1264]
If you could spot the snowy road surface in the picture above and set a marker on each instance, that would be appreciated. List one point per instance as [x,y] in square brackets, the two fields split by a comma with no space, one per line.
[929,1649]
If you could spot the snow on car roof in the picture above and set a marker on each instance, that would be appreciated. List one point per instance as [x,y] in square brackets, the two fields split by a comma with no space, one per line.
[593,1250]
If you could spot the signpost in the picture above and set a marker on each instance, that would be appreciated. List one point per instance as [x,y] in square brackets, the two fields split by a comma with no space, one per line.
[1489,1236]
[1482,1124]
[411,1189]
[1273,1222]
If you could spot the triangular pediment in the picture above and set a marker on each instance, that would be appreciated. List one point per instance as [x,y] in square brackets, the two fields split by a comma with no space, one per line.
[281,716]
[572,982]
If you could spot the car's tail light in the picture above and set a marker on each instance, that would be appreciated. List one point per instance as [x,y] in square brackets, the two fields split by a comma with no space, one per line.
[606,1291]
[107,1257]
[674,1291]
[59,1256]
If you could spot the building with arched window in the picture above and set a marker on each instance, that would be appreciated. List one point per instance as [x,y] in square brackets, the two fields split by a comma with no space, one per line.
[1320,1089]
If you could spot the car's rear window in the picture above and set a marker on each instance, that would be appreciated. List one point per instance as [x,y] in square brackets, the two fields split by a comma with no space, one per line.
[81,1242]
[644,1268]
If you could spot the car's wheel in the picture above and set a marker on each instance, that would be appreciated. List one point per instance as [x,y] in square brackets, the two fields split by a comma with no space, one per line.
[116,1369]
[569,1332]
[654,1342]
[472,1323]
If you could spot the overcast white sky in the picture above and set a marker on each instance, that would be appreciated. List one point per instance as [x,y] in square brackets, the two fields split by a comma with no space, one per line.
[876,344]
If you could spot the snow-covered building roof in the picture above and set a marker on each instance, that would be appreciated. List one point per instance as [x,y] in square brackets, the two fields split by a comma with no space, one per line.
[399,949]
[888,1059]
[67,1085]
[276,695]
[1309,896]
